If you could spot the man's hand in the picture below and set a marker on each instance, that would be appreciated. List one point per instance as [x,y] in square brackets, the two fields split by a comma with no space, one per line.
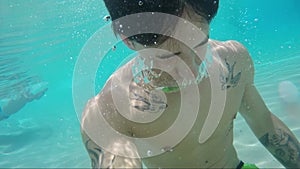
[29,96]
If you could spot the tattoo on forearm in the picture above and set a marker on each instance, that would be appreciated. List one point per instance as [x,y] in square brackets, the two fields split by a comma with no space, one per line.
[230,80]
[96,154]
[283,146]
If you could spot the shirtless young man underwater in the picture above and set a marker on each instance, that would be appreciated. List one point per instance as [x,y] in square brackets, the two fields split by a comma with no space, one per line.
[161,94]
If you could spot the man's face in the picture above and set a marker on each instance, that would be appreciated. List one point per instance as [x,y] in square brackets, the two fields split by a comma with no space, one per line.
[190,54]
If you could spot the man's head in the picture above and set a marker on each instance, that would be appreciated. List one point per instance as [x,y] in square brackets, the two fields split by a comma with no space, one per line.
[204,9]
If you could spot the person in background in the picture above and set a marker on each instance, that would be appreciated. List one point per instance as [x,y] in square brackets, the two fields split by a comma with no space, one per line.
[237,79]
[14,105]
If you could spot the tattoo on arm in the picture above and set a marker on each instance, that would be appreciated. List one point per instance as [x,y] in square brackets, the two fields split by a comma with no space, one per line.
[96,154]
[104,159]
[283,146]
[230,80]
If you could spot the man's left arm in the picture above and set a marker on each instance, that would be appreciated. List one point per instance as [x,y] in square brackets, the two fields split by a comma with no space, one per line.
[271,131]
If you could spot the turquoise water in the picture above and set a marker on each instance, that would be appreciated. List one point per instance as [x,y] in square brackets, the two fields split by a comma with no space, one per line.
[41,41]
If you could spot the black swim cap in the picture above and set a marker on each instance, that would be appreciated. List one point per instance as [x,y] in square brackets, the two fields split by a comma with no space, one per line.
[121,8]
[206,8]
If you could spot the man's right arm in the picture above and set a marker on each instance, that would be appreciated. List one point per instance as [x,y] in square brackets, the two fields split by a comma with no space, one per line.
[106,156]
[103,159]
[95,152]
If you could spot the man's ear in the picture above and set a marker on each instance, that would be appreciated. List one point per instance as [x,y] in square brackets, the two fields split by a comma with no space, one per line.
[127,42]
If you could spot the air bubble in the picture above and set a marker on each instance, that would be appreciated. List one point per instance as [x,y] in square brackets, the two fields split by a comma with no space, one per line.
[106,18]
[149,153]
[141,3]
[167,149]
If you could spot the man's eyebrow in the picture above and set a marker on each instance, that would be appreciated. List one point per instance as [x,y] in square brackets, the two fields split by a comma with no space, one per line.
[169,55]
[202,42]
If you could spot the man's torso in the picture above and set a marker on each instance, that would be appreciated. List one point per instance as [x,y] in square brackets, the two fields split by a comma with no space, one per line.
[215,152]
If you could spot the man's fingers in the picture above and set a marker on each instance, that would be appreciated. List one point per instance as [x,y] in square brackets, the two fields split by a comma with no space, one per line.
[40,94]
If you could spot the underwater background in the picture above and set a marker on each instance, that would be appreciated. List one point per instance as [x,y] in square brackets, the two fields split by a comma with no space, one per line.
[41,40]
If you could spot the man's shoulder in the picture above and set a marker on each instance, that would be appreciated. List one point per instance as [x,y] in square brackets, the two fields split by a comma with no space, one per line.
[235,53]
[231,50]
[115,86]
[229,47]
